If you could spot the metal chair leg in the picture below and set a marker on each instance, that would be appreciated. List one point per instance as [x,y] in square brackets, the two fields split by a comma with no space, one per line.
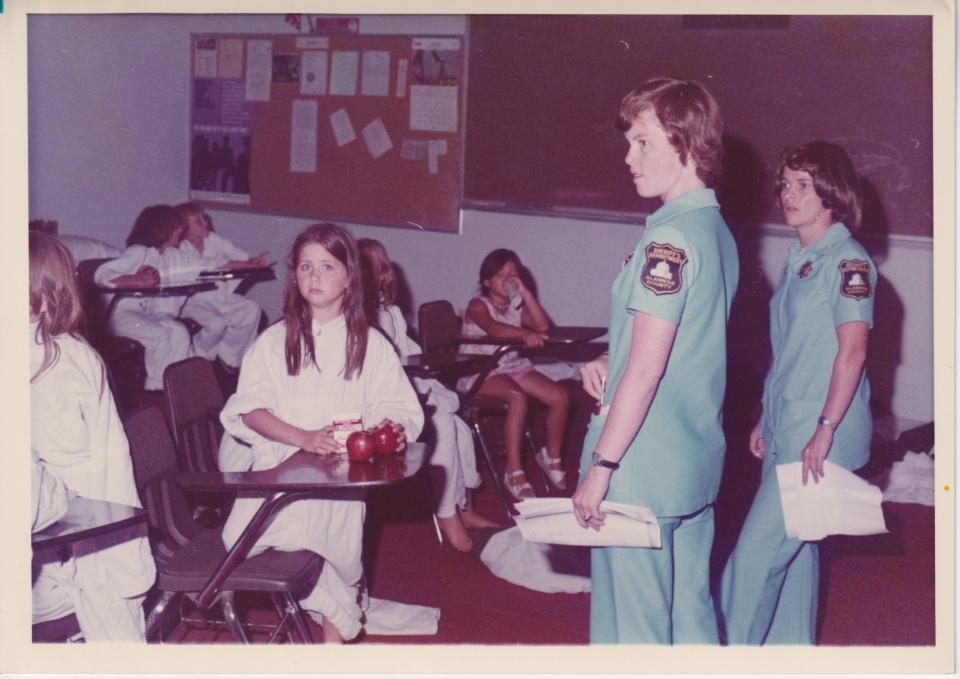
[279,607]
[431,505]
[296,614]
[155,617]
[528,435]
[231,618]
[492,467]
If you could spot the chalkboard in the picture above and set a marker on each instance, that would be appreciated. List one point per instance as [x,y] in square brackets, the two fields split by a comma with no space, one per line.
[544,94]
[355,128]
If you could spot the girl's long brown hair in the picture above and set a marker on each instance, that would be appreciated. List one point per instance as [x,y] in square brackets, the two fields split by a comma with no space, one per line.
[379,279]
[297,316]
[54,299]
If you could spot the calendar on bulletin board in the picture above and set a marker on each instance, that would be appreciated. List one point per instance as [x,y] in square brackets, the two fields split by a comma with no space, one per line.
[364,129]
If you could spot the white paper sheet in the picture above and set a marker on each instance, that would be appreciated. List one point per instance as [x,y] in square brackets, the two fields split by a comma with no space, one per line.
[840,504]
[230,58]
[413,149]
[342,127]
[403,66]
[303,136]
[375,80]
[313,73]
[376,137]
[433,108]
[343,73]
[259,69]
[205,58]
[552,520]
[435,149]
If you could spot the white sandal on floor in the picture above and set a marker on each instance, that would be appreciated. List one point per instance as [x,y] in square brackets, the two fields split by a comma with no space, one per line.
[517,485]
[553,468]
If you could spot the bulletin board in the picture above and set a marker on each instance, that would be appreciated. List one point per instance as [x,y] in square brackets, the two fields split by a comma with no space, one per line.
[354,128]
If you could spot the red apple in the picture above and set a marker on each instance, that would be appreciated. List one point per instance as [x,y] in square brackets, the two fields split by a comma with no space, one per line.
[387,440]
[361,446]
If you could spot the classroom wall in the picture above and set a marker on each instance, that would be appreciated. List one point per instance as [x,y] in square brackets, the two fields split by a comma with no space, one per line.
[108,124]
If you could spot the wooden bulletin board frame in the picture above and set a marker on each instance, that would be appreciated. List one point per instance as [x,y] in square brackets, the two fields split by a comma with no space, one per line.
[262,136]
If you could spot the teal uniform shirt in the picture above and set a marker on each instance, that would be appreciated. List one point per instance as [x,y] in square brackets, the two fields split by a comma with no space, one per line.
[684,270]
[823,286]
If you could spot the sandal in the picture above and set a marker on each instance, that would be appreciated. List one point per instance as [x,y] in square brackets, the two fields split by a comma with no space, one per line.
[553,468]
[517,485]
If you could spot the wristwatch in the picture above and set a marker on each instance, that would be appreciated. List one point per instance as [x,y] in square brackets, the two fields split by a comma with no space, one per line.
[824,421]
[597,461]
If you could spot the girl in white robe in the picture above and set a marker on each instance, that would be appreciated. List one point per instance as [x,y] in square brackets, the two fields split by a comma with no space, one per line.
[149,260]
[77,435]
[229,321]
[322,360]
[453,450]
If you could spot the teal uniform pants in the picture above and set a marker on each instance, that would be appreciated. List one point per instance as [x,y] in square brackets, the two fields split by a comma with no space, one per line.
[656,596]
[770,585]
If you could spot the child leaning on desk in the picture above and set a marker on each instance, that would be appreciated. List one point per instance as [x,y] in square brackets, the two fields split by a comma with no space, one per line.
[151,257]
[79,444]
[320,361]
[229,321]
[507,308]
[453,450]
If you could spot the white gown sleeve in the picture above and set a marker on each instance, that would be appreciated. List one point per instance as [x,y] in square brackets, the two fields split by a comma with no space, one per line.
[48,495]
[223,250]
[389,392]
[129,262]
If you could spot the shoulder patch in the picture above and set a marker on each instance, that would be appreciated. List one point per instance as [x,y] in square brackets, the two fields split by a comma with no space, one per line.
[855,278]
[663,271]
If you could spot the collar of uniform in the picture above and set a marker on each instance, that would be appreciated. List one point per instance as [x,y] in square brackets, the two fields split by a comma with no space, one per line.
[318,328]
[833,235]
[694,199]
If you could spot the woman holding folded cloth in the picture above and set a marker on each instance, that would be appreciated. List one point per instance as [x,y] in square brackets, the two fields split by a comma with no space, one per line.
[659,443]
[816,399]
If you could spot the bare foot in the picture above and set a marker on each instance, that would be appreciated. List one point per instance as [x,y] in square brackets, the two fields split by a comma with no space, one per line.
[331,635]
[471,519]
[454,532]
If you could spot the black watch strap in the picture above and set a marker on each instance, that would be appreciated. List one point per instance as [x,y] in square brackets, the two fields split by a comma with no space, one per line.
[597,461]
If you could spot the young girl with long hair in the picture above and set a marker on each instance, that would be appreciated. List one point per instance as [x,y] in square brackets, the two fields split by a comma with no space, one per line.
[453,450]
[507,308]
[76,435]
[321,360]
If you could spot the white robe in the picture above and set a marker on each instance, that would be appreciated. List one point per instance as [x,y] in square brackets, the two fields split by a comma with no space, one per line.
[453,452]
[151,320]
[77,434]
[331,528]
[229,321]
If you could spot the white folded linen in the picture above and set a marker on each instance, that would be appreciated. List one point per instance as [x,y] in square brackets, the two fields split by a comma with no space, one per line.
[551,519]
[392,617]
[840,504]
[536,566]
[911,480]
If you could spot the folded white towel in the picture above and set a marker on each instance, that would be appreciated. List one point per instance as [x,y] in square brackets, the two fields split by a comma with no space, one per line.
[536,566]
[551,520]
[911,480]
[393,617]
[840,504]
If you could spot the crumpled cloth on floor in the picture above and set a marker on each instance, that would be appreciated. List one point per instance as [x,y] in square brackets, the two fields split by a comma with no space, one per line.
[393,617]
[551,520]
[535,565]
[911,480]
[840,504]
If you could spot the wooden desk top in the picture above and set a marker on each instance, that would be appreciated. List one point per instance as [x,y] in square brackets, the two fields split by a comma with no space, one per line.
[568,334]
[85,519]
[167,290]
[433,365]
[264,272]
[304,471]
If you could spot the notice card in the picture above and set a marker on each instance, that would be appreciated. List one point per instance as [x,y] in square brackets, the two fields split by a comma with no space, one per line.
[377,139]
[435,149]
[303,136]
[342,127]
[433,108]
[205,58]
[313,75]
[230,59]
[343,73]
[259,69]
[375,80]
[402,66]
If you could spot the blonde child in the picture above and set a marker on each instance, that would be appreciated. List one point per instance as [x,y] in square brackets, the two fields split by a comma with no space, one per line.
[77,439]
[321,360]
[229,321]
[453,450]
[507,308]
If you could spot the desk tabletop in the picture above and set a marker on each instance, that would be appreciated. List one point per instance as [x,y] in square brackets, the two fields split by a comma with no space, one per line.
[305,471]
[561,334]
[260,272]
[165,290]
[86,518]
[432,365]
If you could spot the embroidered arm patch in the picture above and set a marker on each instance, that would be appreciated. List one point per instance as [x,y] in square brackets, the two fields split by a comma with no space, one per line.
[855,278]
[663,271]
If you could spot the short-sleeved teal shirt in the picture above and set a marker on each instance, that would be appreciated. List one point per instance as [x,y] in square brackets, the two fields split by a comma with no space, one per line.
[823,286]
[684,270]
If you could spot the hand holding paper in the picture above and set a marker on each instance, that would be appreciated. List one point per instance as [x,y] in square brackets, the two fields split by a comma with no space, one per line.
[551,520]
